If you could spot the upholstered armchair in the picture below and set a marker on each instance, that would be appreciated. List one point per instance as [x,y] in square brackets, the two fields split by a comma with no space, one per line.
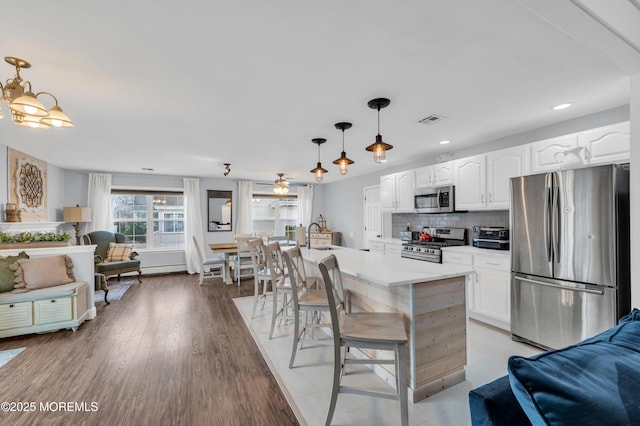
[106,265]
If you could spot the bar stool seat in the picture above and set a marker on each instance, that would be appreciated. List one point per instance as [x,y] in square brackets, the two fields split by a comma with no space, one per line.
[366,330]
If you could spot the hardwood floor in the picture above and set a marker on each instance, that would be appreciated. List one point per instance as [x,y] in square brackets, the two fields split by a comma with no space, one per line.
[168,352]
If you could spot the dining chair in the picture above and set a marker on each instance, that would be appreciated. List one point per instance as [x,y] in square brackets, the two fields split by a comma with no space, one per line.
[366,330]
[208,263]
[307,299]
[260,271]
[280,285]
[242,258]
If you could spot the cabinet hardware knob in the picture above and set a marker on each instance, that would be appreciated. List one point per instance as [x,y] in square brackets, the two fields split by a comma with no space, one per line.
[11,306]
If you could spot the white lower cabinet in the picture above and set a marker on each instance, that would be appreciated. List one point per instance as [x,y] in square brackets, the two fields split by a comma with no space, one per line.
[489,291]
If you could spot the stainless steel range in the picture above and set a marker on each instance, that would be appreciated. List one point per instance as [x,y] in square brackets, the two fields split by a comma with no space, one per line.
[430,250]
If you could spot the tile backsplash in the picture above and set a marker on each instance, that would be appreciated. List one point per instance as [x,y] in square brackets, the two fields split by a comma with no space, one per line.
[467,220]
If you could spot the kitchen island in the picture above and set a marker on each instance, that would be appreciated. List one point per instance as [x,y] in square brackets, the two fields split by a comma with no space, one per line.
[431,296]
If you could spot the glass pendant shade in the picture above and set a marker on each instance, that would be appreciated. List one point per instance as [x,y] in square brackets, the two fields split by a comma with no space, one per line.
[57,118]
[28,104]
[29,121]
[379,149]
[319,172]
[343,163]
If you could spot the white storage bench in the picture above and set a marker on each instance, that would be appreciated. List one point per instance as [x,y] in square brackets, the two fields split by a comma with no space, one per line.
[43,310]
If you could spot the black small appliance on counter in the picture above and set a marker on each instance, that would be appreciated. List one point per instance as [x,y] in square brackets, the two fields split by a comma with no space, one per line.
[492,238]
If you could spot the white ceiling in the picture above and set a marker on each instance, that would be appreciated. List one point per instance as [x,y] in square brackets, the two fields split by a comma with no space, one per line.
[182,87]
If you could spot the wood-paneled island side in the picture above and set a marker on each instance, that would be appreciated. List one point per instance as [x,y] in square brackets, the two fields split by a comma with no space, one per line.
[431,297]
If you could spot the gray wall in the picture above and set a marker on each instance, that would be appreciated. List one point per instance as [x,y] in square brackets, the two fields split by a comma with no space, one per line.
[344,200]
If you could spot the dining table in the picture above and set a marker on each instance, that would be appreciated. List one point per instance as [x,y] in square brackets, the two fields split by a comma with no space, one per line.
[226,249]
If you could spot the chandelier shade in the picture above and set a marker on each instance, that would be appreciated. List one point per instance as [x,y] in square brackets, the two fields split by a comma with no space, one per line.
[25,107]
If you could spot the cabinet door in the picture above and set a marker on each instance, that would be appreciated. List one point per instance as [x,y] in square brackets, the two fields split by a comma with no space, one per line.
[501,166]
[608,144]
[470,180]
[424,177]
[554,154]
[393,248]
[492,295]
[376,246]
[388,192]
[443,174]
[404,191]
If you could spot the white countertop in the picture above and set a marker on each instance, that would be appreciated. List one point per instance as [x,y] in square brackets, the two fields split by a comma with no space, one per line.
[397,241]
[388,270]
[477,251]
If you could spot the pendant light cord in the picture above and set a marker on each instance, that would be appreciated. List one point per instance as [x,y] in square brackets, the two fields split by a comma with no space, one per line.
[378,119]
[343,140]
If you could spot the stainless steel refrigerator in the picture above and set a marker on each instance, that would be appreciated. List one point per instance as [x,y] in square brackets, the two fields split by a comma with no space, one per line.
[570,270]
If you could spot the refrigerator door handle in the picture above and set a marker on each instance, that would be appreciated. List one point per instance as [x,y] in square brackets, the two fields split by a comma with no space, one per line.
[561,287]
[546,218]
[438,198]
[556,223]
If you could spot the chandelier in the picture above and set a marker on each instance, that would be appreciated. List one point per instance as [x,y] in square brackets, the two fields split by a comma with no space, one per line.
[281,185]
[26,110]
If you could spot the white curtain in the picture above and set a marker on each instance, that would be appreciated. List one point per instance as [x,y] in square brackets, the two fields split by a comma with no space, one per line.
[99,201]
[192,224]
[245,195]
[305,205]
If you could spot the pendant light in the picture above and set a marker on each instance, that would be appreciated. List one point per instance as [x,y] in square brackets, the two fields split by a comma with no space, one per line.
[379,147]
[343,162]
[319,171]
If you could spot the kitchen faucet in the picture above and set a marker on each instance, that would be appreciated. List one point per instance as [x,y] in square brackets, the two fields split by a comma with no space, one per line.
[309,233]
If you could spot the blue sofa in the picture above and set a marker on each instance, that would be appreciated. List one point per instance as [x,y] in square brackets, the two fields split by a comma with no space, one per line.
[595,382]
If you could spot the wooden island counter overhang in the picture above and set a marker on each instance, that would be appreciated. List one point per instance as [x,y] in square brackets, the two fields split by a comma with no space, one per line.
[431,296]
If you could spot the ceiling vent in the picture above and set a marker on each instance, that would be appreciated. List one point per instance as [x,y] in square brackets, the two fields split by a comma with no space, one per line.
[431,119]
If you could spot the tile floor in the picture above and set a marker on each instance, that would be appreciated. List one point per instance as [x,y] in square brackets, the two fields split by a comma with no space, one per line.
[308,385]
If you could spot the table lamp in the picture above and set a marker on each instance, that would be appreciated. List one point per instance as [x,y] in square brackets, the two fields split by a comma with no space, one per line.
[78,215]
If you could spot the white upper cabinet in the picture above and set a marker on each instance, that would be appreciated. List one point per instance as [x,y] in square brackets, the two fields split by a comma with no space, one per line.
[554,154]
[501,167]
[469,176]
[437,175]
[608,144]
[443,173]
[396,191]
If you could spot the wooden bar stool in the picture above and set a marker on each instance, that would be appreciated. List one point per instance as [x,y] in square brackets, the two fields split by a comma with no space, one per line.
[307,299]
[260,271]
[367,330]
[279,284]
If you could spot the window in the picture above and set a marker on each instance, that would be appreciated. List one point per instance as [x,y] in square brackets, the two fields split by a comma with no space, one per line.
[149,219]
[277,215]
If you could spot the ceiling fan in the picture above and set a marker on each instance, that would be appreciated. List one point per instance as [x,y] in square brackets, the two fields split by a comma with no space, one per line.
[280,185]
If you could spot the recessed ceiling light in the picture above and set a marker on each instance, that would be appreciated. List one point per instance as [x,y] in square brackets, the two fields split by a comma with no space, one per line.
[444,142]
[561,106]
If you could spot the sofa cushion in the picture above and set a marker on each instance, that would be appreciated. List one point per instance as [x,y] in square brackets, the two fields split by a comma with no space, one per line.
[119,252]
[595,382]
[6,275]
[495,405]
[43,272]
[114,267]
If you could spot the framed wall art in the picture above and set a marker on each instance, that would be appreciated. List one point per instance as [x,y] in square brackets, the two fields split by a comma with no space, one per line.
[27,185]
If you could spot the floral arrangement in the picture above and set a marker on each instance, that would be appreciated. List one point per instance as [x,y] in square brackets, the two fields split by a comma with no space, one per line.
[33,237]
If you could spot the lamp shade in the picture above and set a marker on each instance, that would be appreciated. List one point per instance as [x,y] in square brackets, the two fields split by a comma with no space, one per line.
[28,104]
[57,118]
[77,214]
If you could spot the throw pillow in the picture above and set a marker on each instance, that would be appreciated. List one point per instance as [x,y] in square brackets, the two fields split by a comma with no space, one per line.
[6,274]
[43,272]
[595,382]
[118,252]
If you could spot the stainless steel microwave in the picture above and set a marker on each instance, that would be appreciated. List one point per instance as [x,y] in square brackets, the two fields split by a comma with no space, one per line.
[435,200]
